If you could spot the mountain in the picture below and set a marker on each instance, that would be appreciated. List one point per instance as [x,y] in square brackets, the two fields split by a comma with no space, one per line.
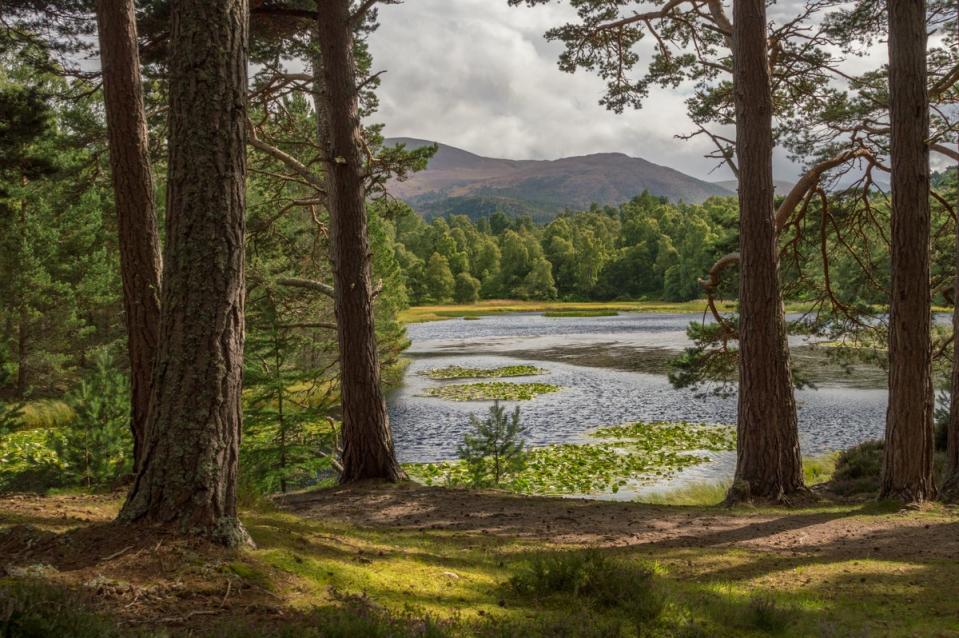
[457,181]
[782,187]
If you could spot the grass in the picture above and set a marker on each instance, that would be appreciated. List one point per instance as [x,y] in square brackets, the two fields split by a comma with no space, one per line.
[816,470]
[630,454]
[460,372]
[46,413]
[491,391]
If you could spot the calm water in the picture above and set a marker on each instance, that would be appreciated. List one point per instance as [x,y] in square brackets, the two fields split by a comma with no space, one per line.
[607,390]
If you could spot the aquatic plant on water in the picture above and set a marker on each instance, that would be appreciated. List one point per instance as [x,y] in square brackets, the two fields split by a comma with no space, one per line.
[491,391]
[634,454]
[461,372]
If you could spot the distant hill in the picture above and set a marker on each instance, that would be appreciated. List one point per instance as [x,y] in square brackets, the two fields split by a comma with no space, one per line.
[782,187]
[458,181]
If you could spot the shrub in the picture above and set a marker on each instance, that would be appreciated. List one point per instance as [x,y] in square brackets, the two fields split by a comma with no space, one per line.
[858,469]
[493,448]
[594,576]
[764,614]
[95,447]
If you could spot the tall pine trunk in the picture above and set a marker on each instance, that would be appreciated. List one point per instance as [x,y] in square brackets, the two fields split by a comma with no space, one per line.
[133,194]
[768,464]
[367,441]
[950,487]
[907,466]
[188,473]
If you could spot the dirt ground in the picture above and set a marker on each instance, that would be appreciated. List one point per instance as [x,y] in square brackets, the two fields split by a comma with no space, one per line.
[843,533]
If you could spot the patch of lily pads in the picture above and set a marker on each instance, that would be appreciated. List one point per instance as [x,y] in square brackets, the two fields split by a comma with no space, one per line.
[461,372]
[491,391]
[633,454]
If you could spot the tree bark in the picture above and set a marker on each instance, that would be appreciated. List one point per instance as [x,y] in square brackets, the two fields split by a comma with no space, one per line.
[139,240]
[768,464]
[950,487]
[907,472]
[367,441]
[189,467]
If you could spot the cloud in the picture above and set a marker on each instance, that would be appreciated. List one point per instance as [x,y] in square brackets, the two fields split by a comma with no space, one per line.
[479,75]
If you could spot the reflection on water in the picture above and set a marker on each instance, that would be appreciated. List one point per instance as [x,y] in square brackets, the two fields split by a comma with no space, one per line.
[832,417]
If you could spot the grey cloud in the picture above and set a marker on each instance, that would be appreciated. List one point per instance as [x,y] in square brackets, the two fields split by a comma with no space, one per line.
[478,74]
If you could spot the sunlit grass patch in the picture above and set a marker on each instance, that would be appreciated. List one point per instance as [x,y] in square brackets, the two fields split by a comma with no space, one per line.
[491,391]
[699,494]
[461,372]
[819,469]
[816,470]
[45,414]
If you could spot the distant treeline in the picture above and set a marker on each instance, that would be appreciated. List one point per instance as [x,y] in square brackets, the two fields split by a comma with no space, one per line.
[647,247]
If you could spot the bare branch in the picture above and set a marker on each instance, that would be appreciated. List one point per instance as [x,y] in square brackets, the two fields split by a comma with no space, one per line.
[309,284]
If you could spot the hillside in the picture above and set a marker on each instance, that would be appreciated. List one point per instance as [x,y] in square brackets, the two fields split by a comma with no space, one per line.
[458,181]
[782,187]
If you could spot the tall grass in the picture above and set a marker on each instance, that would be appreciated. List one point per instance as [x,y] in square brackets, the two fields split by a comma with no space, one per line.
[46,414]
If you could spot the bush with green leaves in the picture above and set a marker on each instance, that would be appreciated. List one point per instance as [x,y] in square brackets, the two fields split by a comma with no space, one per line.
[494,448]
[95,448]
[858,469]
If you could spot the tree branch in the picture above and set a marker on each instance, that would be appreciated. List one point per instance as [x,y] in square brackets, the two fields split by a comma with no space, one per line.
[309,284]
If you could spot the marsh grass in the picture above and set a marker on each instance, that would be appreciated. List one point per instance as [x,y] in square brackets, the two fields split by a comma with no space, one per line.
[419,314]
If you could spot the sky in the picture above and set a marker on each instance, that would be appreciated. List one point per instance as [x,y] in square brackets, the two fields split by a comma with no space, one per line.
[479,75]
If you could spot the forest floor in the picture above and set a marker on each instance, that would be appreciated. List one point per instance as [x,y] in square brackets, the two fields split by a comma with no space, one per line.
[846,569]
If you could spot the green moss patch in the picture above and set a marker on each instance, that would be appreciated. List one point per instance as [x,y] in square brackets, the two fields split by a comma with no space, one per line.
[461,372]
[492,391]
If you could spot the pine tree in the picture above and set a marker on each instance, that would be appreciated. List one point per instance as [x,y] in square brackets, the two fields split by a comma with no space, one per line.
[494,448]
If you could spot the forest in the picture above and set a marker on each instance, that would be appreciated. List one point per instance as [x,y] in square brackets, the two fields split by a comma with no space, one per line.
[245,390]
